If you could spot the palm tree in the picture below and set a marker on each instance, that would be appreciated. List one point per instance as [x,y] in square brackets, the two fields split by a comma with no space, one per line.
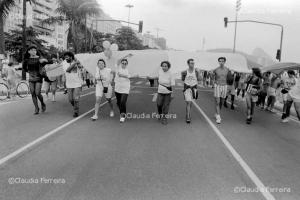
[5,6]
[75,12]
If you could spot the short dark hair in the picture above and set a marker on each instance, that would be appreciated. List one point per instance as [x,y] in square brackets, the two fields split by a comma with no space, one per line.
[70,54]
[166,62]
[292,72]
[102,61]
[124,59]
[221,58]
[257,72]
[189,60]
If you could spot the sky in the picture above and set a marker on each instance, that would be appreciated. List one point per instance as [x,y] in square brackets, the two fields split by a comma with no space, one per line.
[187,23]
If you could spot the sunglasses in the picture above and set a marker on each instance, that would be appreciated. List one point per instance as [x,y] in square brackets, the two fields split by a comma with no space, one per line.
[124,63]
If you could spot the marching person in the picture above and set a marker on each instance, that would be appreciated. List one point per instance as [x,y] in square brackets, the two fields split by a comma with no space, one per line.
[51,82]
[190,77]
[230,89]
[103,79]
[275,83]
[288,83]
[295,94]
[74,81]
[33,65]
[220,87]
[253,86]
[122,85]
[165,93]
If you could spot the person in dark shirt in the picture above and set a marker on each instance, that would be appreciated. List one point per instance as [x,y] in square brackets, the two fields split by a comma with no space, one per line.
[33,65]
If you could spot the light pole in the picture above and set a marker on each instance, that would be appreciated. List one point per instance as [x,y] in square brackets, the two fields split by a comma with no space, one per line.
[129,6]
[238,7]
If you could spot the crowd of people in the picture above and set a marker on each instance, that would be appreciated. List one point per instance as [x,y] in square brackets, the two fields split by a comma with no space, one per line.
[257,89]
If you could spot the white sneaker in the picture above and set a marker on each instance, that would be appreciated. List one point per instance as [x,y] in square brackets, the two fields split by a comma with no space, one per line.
[111,114]
[218,119]
[285,120]
[53,98]
[122,119]
[95,117]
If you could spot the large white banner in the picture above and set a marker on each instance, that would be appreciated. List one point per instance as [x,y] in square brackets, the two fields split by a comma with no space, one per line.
[145,63]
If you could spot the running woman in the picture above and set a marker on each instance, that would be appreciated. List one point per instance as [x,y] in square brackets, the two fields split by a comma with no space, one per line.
[103,79]
[191,77]
[165,93]
[288,83]
[220,86]
[253,86]
[122,85]
[74,81]
[33,65]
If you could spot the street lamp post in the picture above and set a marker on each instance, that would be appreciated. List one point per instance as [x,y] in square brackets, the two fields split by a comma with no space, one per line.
[129,6]
[259,22]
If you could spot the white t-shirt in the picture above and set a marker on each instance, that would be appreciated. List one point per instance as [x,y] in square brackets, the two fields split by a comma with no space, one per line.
[73,79]
[105,75]
[295,91]
[122,85]
[166,79]
[191,78]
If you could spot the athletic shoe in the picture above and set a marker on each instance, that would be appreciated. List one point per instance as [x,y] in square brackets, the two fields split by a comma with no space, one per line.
[36,112]
[111,114]
[122,119]
[225,105]
[285,120]
[164,121]
[232,107]
[283,116]
[218,119]
[53,98]
[94,118]
[43,107]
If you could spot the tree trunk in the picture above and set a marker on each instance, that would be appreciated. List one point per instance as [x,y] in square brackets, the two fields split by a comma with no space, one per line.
[2,43]
[24,36]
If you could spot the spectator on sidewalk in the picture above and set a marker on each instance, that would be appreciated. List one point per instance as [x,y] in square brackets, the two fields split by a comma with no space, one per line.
[288,83]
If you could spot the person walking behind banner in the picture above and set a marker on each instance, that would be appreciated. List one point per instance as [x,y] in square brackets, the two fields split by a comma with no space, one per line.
[33,65]
[288,83]
[254,82]
[190,77]
[275,83]
[230,88]
[122,85]
[51,82]
[165,92]
[241,85]
[220,87]
[295,94]
[72,70]
[103,79]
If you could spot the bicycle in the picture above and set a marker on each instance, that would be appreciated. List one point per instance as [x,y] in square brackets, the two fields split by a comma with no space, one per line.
[22,89]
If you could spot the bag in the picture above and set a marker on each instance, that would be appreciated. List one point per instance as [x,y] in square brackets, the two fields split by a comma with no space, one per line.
[154,99]
[105,90]
[284,91]
[168,88]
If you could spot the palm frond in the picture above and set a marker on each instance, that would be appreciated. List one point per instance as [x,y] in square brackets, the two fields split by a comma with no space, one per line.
[5,6]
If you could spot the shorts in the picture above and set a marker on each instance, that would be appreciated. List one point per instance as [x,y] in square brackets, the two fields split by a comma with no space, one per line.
[231,90]
[287,97]
[253,98]
[220,91]
[271,91]
[188,94]
[99,91]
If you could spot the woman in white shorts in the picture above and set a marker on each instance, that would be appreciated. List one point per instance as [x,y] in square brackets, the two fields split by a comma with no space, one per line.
[103,79]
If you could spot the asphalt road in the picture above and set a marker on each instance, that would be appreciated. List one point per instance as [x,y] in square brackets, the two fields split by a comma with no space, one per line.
[143,159]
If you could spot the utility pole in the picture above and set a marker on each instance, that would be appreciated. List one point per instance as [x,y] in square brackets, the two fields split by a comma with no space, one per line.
[238,7]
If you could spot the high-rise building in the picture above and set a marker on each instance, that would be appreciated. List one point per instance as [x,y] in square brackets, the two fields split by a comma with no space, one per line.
[54,34]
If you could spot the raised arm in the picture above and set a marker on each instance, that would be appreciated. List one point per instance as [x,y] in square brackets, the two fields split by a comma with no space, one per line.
[127,56]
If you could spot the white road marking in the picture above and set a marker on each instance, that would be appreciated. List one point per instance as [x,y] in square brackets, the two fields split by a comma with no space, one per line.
[44,137]
[239,159]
